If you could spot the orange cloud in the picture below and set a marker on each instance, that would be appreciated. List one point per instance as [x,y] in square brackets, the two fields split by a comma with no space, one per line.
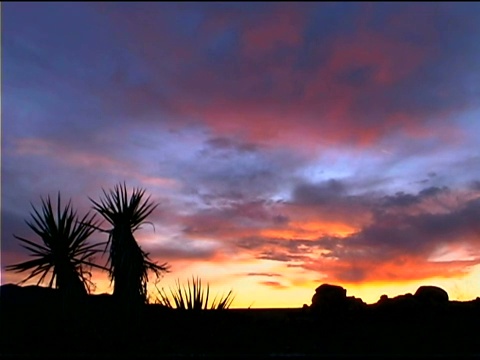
[397,270]
[309,230]
[273,284]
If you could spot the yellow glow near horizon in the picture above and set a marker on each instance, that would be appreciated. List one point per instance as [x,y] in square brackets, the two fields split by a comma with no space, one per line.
[292,291]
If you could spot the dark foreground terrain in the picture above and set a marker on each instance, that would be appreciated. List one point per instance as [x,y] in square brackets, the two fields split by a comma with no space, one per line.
[36,323]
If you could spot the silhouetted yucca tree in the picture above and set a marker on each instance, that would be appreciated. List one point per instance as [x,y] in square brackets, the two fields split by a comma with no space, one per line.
[63,250]
[128,263]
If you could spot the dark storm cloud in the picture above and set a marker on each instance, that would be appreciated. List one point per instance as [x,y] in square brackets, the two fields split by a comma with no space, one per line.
[280,219]
[475,185]
[391,235]
[226,170]
[403,199]
[432,191]
[231,220]
[319,194]
[224,143]
[336,198]
[185,251]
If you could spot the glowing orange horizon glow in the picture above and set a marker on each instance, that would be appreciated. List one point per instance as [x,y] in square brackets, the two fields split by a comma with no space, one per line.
[292,291]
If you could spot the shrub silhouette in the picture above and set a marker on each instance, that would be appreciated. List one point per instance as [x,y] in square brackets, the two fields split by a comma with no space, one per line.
[128,264]
[193,297]
[63,251]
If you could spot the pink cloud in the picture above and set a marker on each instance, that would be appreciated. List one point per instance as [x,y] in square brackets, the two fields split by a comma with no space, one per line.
[64,154]
[283,26]
[76,158]
[356,95]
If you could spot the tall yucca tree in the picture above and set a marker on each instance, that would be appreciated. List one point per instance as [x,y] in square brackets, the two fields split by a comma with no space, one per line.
[63,251]
[128,264]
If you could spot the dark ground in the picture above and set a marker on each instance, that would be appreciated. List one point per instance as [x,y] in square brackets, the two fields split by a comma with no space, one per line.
[36,324]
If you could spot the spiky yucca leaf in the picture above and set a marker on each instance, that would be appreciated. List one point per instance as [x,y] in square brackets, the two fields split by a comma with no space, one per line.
[118,209]
[128,263]
[224,301]
[64,251]
[193,297]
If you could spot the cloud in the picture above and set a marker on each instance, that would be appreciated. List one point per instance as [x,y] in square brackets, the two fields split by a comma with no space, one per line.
[475,185]
[402,199]
[274,284]
[277,255]
[183,249]
[394,240]
[318,74]
[318,135]
[319,194]
[401,269]
[263,274]
[224,143]
[403,229]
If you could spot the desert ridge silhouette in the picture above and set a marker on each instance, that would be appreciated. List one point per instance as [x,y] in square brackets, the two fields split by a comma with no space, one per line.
[425,323]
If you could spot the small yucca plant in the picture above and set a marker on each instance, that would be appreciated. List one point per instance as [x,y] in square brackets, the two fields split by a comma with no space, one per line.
[63,251]
[128,264]
[193,297]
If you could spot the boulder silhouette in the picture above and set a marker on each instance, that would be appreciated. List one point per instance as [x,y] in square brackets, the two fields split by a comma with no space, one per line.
[355,304]
[400,305]
[333,300]
[329,298]
[431,295]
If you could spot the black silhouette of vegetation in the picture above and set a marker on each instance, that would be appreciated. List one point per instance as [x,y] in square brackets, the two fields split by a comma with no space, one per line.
[423,324]
[63,252]
[128,264]
[193,296]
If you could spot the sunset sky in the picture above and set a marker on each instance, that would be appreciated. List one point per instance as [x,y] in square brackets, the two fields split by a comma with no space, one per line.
[287,144]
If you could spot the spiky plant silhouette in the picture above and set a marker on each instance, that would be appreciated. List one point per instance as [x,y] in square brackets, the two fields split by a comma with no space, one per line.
[193,297]
[128,264]
[63,251]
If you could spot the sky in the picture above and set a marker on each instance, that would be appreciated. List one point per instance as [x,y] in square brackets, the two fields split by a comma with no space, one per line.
[287,145]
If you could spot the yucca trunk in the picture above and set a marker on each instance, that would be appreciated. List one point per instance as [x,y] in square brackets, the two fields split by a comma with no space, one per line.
[69,282]
[128,266]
